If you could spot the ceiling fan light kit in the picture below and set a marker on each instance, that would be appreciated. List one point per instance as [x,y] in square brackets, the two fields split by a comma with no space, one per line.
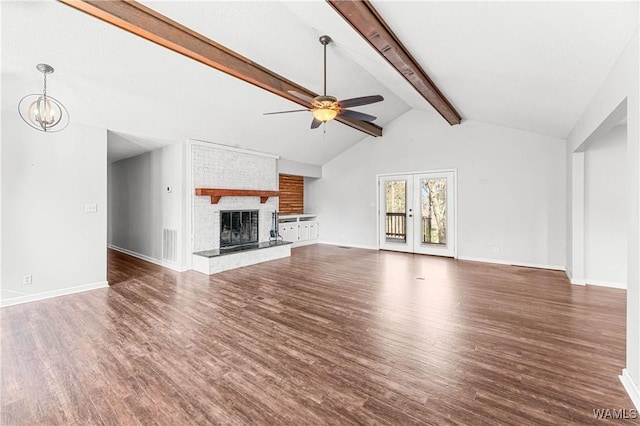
[42,112]
[325,108]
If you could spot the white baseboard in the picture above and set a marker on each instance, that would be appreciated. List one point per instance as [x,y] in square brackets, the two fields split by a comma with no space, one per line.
[331,243]
[611,284]
[631,387]
[303,243]
[512,263]
[572,280]
[150,259]
[54,293]
[587,281]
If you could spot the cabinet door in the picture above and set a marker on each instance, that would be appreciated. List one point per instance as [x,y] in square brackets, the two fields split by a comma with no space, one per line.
[303,231]
[313,230]
[292,232]
[283,230]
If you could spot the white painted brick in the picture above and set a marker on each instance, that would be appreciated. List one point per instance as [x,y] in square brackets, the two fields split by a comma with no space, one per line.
[218,168]
[214,265]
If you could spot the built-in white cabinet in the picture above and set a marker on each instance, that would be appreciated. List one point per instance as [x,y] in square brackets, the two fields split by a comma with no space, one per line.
[300,229]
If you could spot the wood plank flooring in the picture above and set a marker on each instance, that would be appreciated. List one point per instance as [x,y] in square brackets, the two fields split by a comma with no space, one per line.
[329,336]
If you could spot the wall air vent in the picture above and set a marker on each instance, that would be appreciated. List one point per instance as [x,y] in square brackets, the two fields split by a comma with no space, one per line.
[170,245]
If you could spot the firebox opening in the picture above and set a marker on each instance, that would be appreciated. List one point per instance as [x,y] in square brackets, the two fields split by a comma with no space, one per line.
[238,227]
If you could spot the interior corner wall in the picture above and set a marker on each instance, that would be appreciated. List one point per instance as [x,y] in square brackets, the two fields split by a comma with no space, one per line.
[141,205]
[47,181]
[309,205]
[605,224]
[510,187]
[620,86]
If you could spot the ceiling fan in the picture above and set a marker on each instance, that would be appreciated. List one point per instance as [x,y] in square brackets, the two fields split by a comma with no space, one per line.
[326,108]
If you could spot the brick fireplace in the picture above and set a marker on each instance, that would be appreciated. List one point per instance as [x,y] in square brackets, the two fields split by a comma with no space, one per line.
[240,174]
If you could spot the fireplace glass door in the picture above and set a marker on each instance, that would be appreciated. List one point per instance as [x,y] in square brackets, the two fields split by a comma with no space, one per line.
[238,227]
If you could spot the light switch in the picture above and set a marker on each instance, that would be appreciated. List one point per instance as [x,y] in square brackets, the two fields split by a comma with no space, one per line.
[90,208]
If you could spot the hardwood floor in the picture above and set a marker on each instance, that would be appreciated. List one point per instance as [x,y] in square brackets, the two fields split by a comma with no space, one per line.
[328,336]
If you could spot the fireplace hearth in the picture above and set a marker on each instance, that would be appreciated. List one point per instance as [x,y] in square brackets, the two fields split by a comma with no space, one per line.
[238,227]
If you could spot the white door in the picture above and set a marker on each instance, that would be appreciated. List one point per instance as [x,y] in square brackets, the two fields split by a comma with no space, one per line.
[417,213]
[396,211]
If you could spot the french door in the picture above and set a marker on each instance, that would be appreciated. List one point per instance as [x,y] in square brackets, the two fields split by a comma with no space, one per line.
[417,213]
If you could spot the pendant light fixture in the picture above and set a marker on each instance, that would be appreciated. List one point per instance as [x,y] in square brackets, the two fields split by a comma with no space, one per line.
[41,111]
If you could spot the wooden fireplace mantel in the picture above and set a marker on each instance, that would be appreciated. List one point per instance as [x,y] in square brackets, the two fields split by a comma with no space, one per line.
[216,194]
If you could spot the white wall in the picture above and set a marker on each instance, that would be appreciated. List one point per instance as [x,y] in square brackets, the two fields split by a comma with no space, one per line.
[508,187]
[296,168]
[619,88]
[605,209]
[140,206]
[46,181]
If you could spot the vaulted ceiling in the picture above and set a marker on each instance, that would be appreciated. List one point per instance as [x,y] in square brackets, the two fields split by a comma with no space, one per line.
[532,66]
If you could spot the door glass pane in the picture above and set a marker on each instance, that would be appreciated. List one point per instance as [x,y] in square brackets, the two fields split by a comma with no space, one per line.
[433,203]
[396,209]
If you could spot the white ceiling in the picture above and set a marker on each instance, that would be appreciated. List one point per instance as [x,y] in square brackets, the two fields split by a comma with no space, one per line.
[531,66]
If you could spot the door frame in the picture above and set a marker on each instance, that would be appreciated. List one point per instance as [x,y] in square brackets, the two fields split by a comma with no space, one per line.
[455,204]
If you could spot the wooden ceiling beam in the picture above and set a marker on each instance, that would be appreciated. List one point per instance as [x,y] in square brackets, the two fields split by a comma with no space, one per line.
[157,28]
[362,16]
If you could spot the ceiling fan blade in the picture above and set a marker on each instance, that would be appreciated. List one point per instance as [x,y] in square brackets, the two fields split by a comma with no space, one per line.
[356,115]
[364,100]
[315,123]
[302,96]
[284,112]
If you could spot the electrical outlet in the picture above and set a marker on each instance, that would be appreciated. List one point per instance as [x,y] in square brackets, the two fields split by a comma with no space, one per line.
[27,279]
[496,249]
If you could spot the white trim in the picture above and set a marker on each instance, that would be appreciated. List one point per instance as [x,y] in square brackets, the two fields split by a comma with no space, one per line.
[149,259]
[53,293]
[574,281]
[296,216]
[378,235]
[188,211]
[232,148]
[631,387]
[455,212]
[417,173]
[332,243]
[611,284]
[303,243]
[453,170]
[512,263]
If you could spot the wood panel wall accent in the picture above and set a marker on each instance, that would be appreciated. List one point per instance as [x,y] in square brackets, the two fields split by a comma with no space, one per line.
[216,194]
[157,28]
[291,199]
[366,20]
